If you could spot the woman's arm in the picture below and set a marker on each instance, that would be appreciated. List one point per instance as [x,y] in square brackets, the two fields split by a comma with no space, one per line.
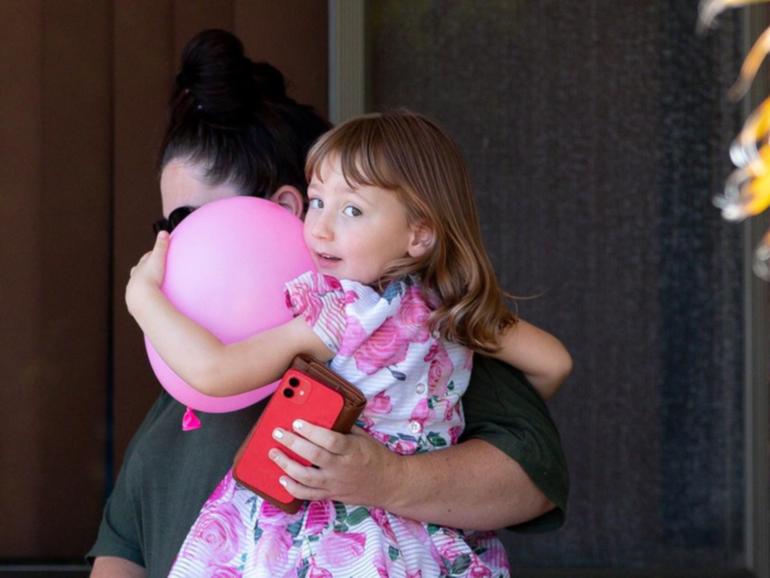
[473,485]
[542,358]
[510,472]
[111,566]
[198,356]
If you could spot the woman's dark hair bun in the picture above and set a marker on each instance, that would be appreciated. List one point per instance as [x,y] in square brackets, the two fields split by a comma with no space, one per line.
[220,83]
[270,81]
[232,117]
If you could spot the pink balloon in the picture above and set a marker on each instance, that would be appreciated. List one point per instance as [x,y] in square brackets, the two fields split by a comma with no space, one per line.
[226,268]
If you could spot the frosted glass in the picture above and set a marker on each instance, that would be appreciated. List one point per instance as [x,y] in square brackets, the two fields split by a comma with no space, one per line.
[597,132]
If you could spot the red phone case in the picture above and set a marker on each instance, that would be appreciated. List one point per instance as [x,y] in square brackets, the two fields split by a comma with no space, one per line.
[298,396]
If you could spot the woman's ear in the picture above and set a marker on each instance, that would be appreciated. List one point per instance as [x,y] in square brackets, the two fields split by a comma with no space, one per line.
[422,240]
[290,198]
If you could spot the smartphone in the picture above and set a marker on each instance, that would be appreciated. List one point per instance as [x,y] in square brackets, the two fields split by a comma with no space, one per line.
[298,396]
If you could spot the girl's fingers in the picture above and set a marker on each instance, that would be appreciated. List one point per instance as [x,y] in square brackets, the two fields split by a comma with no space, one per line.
[161,238]
[156,259]
[161,244]
[141,262]
[153,261]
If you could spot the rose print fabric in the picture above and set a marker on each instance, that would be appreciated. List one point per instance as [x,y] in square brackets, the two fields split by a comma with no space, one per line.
[413,381]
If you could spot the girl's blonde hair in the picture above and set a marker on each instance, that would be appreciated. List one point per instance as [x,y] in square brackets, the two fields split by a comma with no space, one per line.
[408,154]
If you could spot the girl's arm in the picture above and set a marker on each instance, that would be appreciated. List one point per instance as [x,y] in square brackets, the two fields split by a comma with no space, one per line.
[538,354]
[199,357]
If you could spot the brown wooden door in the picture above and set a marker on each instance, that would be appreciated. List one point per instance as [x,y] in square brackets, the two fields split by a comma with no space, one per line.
[82,108]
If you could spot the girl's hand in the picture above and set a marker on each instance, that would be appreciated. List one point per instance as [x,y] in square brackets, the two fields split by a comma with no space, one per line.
[148,272]
[351,468]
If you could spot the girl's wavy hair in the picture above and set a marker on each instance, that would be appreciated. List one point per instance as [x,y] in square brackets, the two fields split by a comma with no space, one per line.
[408,154]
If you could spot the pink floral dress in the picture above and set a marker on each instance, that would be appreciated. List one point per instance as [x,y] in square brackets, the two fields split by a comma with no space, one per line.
[413,381]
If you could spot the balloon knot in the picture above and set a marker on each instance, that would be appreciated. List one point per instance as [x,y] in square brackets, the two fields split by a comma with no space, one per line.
[190,421]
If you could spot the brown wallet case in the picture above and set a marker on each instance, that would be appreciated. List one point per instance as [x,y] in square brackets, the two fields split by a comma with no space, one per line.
[308,390]
[354,401]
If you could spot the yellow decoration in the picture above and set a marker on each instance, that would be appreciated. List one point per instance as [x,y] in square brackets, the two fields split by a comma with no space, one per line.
[747,190]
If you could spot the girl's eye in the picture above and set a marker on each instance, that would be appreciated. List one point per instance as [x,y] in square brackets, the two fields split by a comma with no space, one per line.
[352,211]
[316,203]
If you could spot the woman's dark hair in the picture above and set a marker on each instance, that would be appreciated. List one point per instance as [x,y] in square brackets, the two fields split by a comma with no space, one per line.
[232,116]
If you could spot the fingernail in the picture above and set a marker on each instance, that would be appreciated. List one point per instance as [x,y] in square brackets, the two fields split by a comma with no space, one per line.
[278,433]
[297,424]
[282,481]
[273,454]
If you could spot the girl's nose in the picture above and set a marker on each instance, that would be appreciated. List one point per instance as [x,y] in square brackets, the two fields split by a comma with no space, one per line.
[321,228]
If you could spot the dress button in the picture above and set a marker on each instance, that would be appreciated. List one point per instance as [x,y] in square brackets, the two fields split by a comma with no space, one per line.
[415,427]
[420,388]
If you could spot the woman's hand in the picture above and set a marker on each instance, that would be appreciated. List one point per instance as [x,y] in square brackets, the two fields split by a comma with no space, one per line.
[352,468]
[471,485]
[147,273]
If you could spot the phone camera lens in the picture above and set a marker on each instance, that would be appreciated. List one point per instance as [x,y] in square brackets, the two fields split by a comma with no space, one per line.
[293,381]
[288,392]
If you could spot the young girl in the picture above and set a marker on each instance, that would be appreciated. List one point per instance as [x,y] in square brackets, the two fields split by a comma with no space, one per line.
[404,294]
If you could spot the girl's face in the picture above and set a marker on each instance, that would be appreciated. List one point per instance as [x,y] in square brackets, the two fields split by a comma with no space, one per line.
[354,233]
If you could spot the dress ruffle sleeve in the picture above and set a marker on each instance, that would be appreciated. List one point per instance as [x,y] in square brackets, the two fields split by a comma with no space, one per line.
[320,300]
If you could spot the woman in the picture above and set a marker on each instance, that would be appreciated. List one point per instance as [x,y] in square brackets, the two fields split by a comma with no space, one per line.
[233,130]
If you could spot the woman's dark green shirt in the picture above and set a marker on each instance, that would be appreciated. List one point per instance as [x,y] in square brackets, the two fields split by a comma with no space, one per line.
[167,473]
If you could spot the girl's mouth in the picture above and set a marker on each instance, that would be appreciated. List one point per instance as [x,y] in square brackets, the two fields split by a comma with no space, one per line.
[326,258]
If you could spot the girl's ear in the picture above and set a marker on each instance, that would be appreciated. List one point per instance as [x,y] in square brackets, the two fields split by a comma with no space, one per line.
[422,240]
[290,198]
